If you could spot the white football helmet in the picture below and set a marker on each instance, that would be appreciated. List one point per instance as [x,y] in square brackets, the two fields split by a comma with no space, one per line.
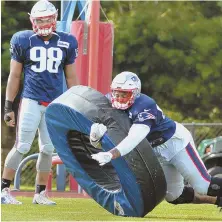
[127,83]
[43,17]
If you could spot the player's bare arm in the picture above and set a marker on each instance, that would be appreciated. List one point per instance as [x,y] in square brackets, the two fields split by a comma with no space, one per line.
[199,199]
[115,152]
[12,90]
[13,80]
[71,76]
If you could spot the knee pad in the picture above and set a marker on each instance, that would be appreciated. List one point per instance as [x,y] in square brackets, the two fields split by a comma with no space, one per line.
[44,162]
[215,187]
[187,196]
[23,147]
[47,149]
[174,190]
[13,159]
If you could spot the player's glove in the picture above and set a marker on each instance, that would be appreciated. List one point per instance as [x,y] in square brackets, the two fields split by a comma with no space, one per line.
[96,133]
[102,157]
[9,115]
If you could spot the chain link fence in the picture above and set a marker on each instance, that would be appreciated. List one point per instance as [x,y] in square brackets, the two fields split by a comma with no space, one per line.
[200,131]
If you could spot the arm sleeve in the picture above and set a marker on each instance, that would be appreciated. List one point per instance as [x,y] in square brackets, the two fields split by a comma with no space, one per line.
[136,134]
[72,50]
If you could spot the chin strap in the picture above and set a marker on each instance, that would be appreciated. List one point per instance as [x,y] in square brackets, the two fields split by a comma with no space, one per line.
[121,106]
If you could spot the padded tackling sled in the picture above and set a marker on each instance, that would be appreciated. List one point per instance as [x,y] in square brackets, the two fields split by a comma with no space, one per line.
[128,186]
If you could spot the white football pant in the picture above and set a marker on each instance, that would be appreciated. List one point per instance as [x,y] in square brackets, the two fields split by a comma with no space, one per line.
[180,160]
[31,117]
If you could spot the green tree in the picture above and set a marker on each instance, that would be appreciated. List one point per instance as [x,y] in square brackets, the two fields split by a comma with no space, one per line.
[175,47]
[10,25]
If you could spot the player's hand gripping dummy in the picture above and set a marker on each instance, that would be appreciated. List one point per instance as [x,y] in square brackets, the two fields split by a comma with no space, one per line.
[96,133]
[126,87]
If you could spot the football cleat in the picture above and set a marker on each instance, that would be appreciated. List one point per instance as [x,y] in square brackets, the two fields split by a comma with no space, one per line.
[7,198]
[41,198]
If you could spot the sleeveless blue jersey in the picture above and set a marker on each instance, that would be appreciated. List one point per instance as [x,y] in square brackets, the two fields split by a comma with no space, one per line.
[145,111]
[43,62]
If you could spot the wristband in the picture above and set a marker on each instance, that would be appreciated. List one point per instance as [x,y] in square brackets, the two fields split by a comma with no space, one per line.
[8,106]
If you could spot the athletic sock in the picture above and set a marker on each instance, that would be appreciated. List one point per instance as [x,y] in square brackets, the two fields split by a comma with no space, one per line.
[219,201]
[5,183]
[39,188]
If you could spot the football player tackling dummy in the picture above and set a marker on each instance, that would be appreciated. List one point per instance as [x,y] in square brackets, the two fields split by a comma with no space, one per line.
[171,141]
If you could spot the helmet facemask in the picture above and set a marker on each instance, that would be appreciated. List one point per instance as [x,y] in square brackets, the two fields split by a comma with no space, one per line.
[123,99]
[43,17]
[44,26]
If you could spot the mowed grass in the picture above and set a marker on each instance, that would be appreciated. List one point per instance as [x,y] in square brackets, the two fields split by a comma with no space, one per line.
[70,209]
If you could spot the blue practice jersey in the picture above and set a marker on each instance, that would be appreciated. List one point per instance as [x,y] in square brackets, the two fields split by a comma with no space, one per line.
[43,62]
[145,111]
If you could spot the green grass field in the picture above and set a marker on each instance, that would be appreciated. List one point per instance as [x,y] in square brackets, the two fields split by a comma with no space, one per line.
[70,209]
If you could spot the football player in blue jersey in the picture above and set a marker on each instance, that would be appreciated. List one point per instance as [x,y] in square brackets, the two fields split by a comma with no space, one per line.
[171,141]
[42,54]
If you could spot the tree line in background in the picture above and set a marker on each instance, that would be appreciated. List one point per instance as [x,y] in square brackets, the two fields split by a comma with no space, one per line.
[174,47]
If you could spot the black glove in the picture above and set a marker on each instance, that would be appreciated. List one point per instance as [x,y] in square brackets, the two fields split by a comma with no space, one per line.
[7,109]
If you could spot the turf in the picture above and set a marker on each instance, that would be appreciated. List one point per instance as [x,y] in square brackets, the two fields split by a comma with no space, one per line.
[68,209]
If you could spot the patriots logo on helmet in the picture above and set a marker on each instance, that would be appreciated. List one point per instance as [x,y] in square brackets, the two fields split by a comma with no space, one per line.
[134,79]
